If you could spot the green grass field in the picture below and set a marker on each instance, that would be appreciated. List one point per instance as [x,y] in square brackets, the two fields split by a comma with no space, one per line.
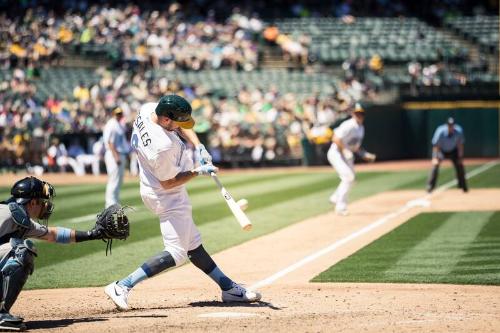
[276,201]
[459,248]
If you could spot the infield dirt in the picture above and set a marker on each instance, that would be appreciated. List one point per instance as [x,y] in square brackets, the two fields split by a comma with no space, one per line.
[185,300]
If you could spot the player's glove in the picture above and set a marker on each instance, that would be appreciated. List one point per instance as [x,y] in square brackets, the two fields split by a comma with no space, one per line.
[112,223]
[347,154]
[206,170]
[369,157]
[203,155]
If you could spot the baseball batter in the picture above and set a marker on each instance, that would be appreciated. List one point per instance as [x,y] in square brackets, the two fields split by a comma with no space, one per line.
[117,148]
[31,201]
[346,142]
[164,169]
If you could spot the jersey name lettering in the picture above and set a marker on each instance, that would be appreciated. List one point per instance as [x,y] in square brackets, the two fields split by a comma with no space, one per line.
[139,123]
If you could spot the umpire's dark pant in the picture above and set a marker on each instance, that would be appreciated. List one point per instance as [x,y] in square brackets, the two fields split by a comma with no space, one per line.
[459,170]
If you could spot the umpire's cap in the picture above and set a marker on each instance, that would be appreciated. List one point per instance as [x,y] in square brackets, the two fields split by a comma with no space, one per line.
[176,108]
[31,188]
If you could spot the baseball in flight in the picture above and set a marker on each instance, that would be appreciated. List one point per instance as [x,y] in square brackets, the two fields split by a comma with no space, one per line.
[243,203]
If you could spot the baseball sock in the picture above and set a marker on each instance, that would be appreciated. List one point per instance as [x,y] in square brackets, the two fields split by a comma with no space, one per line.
[201,259]
[134,278]
[221,279]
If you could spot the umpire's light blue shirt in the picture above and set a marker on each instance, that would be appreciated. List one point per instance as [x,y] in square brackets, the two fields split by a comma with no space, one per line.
[447,142]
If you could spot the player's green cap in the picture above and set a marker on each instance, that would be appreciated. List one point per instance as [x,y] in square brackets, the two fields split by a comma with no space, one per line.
[359,108]
[176,108]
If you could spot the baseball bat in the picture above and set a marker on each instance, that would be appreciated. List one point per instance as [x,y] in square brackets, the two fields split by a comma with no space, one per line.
[241,217]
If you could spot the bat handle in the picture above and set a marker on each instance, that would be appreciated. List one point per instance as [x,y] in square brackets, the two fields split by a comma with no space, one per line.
[216,179]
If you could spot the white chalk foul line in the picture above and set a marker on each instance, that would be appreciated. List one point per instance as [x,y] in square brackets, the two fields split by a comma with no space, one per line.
[384,219]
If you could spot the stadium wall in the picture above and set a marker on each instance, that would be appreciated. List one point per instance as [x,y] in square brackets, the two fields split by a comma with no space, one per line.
[405,131]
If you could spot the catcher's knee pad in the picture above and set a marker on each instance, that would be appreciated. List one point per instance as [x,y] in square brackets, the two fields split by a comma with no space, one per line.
[158,263]
[15,271]
[201,259]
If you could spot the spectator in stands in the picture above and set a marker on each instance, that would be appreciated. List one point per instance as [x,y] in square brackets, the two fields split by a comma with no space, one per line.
[76,151]
[270,34]
[58,159]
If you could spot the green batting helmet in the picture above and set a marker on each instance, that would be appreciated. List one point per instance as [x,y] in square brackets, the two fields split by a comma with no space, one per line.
[176,108]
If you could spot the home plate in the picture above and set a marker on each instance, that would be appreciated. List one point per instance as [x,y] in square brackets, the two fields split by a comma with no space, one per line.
[227,315]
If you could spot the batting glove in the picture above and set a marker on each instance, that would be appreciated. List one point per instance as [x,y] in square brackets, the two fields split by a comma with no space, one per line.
[203,155]
[206,170]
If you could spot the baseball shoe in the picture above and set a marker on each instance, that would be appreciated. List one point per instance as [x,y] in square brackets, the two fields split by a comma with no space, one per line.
[333,199]
[10,322]
[341,212]
[118,294]
[238,293]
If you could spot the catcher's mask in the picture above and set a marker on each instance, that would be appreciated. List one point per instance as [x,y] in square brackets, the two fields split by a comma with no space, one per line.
[30,188]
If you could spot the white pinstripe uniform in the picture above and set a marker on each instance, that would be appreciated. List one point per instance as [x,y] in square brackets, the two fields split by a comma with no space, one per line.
[162,155]
[351,133]
[114,131]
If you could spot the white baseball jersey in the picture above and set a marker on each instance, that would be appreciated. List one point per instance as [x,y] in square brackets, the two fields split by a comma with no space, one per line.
[161,155]
[115,132]
[350,133]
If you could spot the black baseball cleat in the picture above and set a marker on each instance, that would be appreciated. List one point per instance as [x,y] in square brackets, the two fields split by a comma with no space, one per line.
[10,322]
[9,326]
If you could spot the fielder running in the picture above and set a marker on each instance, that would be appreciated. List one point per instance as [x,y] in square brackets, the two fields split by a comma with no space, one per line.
[31,200]
[346,142]
[164,169]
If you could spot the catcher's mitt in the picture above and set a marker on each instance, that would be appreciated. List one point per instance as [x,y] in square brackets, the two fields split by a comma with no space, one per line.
[112,223]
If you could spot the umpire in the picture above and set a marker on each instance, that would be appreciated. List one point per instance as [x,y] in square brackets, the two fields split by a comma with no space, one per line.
[448,142]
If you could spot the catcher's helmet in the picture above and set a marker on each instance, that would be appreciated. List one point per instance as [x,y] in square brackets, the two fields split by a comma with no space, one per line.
[33,188]
[176,108]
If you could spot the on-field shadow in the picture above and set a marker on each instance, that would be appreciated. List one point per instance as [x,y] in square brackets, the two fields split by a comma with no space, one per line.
[58,323]
[144,316]
[259,304]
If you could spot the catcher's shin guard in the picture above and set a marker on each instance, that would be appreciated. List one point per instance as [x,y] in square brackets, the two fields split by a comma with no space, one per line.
[15,271]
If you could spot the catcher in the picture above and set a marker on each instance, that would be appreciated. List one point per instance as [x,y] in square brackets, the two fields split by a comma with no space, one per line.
[24,216]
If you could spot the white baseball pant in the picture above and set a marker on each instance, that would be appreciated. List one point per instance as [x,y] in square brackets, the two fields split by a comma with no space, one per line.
[345,170]
[115,177]
[178,230]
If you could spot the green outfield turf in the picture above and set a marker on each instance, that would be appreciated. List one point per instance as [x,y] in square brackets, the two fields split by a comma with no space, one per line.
[276,201]
[452,247]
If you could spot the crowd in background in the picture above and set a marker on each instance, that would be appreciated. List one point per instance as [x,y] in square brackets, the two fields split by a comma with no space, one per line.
[135,37]
[256,126]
